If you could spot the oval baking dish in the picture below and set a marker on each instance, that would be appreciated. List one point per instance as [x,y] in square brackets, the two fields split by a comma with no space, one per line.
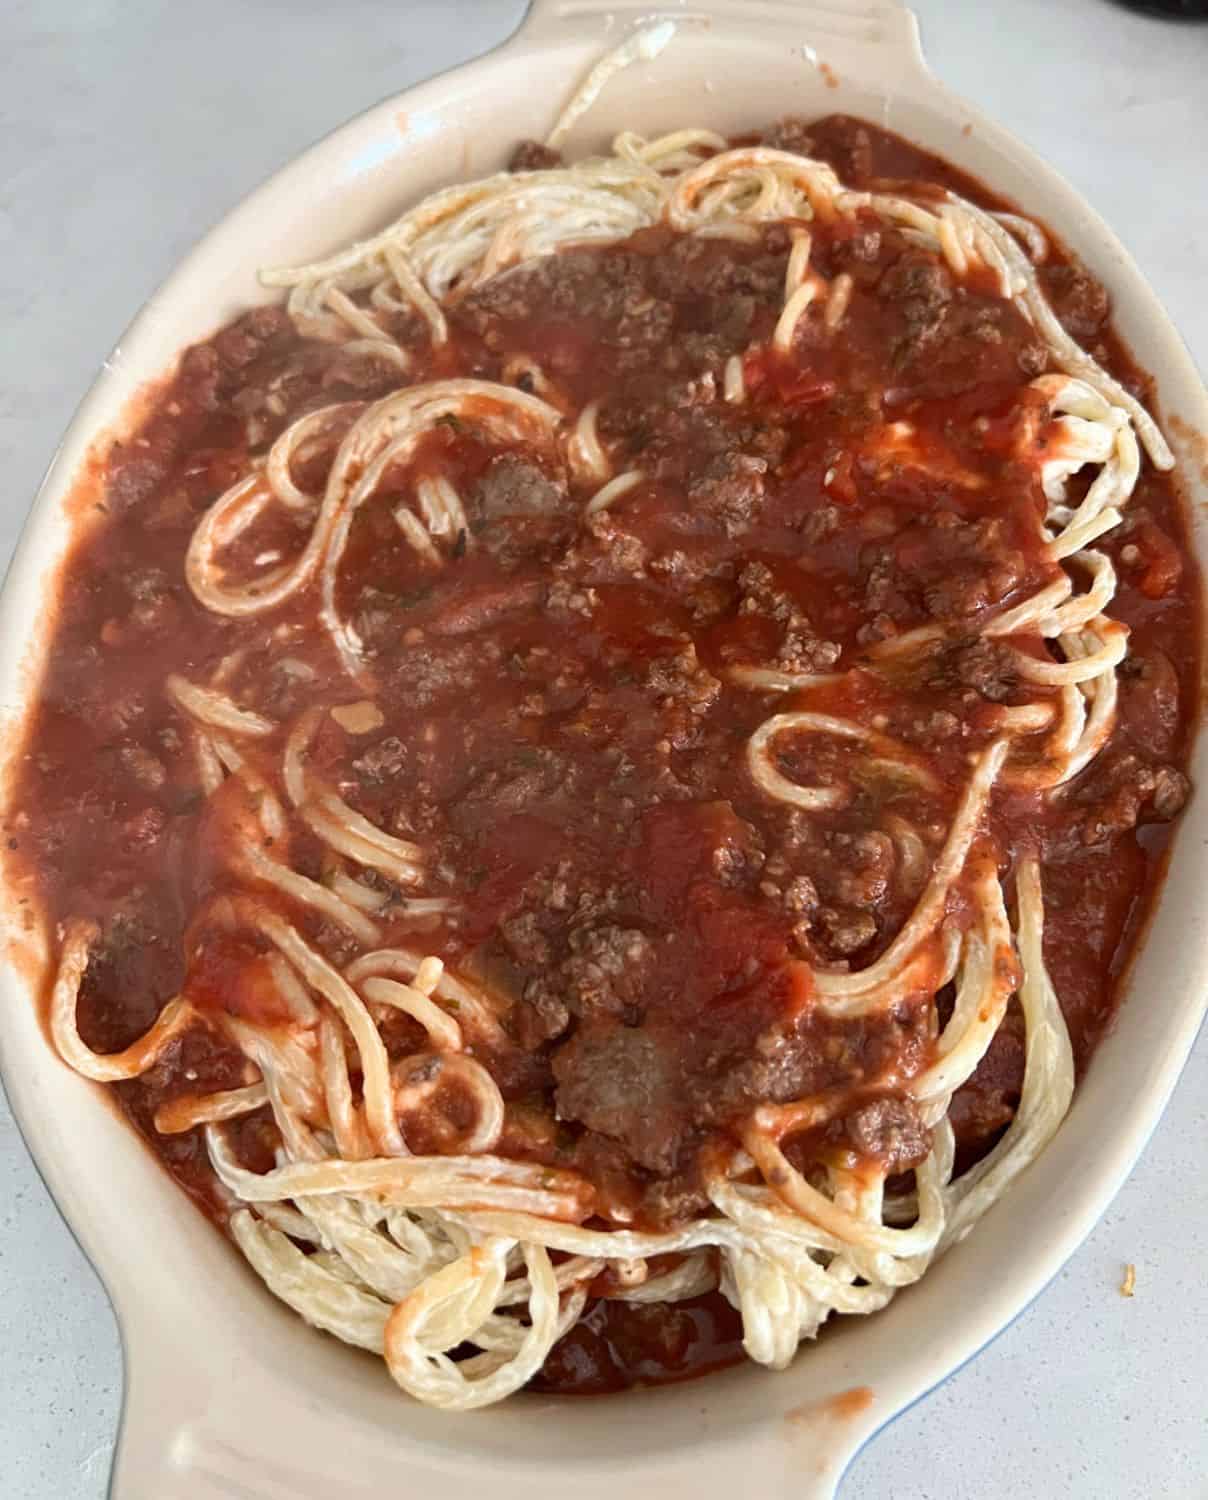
[228,1393]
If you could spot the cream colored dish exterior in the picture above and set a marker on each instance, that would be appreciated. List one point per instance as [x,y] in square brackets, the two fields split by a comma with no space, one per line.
[228,1393]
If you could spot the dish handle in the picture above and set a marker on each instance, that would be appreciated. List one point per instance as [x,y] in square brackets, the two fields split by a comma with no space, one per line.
[184,1433]
[155,1403]
[196,1431]
[886,26]
[817,1487]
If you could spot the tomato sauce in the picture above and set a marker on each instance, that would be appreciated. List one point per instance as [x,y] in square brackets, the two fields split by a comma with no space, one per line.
[558,724]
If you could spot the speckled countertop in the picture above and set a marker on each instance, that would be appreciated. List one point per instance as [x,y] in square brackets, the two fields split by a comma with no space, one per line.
[127,127]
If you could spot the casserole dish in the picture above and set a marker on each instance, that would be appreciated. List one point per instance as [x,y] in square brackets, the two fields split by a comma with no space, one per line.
[204,1406]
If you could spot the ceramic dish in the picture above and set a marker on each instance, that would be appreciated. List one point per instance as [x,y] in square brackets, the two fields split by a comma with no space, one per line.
[227,1392]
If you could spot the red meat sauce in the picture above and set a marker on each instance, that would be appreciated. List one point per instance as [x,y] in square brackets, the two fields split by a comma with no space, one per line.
[559,729]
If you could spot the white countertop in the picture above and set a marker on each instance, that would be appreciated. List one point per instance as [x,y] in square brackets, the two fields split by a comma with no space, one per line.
[127,127]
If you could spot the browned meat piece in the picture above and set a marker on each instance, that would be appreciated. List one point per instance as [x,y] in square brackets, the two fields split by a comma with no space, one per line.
[862,867]
[1149,700]
[682,681]
[789,134]
[532,156]
[846,931]
[860,248]
[800,896]
[675,1200]
[988,667]
[702,584]
[364,372]
[246,340]
[945,568]
[788,1060]
[512,486]
[437,668]
[981,1107]
[132,961]
[122,713]
[605,974]
[543,1015]
[564,600]
[968,589]
[800,649]
[820,524]
[621,1081]
[847,144]
[982,665]
[511,788]
[604,553]
[1080,302]
[1122,791]
[524,938]
[147,769]
[729,489]
[885,589]
[608,286]
[1170,792]
[142,829]
[890,1130]
[481,608]
[920,283]
[705,283]
[654,1333]
[381,762]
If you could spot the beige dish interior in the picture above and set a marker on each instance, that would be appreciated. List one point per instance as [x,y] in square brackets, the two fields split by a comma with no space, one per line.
[228,1394]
